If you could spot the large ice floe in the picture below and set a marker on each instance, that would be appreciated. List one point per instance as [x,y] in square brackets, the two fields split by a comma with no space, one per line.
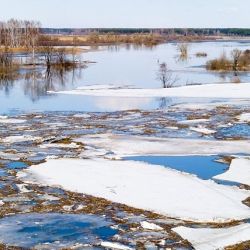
[229,90]
[214,238]
[239,171]
[124,145]
[149,187]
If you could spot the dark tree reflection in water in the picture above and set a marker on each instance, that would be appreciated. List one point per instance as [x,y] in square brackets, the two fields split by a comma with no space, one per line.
[7,82]
[37,84]
[165,102]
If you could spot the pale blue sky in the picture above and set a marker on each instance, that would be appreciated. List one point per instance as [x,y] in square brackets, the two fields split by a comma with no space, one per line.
[130,13]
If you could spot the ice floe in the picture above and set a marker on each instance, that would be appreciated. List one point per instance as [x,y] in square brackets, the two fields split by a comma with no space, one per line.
[144,186]
[150,226]
[124,145]
[211,238]
[228,90]
[20,138]
[203,130]
[245,117]
[115,246]
[193,121]
[72,145]
[239,171]
[5,119]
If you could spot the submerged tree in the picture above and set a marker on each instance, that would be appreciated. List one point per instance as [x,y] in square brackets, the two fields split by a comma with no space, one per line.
[165,76]
[183,49]
[236,54]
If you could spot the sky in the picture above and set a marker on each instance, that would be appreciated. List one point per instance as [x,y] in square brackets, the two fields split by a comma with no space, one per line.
[130,13]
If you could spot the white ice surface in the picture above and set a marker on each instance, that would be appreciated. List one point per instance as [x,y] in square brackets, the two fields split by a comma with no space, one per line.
[212,239]
[20,138]
[239,171]
[245,117]
[203,130]
[122,145]
[150,187]
[150,226]
[11,120]
[228,90]
[115,246]
[72,145]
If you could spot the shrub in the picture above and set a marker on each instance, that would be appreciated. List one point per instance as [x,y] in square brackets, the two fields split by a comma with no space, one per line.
[201,54]
[222,63]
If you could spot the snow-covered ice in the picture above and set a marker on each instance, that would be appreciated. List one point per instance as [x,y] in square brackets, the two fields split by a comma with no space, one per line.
[227,90]
[72,145]
[149,187]
[6,119]
[150,226]
[239,171]
[211,239]
[203,130]
[245,117]
[114,245]
[20,138]
[125,145]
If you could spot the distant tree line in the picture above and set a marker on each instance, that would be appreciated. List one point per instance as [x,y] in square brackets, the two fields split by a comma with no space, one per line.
[169,31]
[19,33]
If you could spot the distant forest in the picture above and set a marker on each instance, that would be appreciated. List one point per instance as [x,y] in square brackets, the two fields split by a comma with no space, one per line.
[177,31]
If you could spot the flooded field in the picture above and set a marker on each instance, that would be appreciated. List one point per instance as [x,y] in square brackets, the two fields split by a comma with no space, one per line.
[120,66]
[74,168]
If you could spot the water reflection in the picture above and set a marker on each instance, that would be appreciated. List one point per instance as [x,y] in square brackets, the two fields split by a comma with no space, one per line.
[36,83]
[165,102]
[121,65]
[7,81]
[129,47]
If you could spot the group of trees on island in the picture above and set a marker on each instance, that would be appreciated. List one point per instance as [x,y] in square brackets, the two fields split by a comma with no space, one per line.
[23,35]
[238,61]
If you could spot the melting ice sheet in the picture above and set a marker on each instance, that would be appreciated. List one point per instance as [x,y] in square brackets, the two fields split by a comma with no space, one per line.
[53,230]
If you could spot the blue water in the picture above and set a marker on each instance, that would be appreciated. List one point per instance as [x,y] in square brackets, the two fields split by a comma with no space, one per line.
[2,172]
[205,167]
[57,230]
[134,67]
[17,165]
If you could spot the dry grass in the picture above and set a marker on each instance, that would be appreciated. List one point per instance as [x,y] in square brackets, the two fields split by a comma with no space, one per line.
[242,246]
[223,63]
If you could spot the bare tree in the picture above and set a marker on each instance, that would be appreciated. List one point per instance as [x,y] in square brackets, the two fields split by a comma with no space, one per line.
[15,33]
[236,54]
[165,76]
[48,53]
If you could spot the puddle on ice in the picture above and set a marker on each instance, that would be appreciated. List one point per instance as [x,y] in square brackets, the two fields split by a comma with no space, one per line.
[54,230]
[16,165]
[205,167]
